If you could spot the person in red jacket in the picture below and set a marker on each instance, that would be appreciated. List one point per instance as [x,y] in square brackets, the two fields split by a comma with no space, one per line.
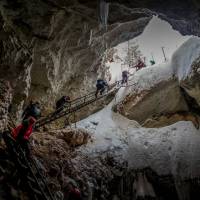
[23,132]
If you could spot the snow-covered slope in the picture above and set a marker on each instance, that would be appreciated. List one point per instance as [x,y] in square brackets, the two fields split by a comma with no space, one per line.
[146,78]
[179,66]
[109,129]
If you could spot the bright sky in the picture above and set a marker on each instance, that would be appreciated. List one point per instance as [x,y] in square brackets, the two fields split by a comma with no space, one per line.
[157,34]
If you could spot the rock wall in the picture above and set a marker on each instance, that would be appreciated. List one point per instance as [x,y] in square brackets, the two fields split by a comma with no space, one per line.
[49,49]
[164,97]
[5,99]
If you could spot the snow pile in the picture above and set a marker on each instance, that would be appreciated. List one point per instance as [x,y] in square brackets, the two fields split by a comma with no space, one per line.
[185,56]
[170,150]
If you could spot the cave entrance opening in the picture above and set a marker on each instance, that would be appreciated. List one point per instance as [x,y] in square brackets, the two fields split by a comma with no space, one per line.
[154,46]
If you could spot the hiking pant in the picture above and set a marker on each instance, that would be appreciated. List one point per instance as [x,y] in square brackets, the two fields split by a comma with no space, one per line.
[124,79]
[25,147]
[100,88]
[23,142]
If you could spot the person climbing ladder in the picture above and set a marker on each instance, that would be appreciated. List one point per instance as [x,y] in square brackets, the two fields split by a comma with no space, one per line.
[22,134]
[62,101]
[23,131]
[125,74]
[101,86]
[33,109]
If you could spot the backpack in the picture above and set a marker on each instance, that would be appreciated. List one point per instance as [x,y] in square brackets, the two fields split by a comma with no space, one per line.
[125,73]
[32,111]
[35,111]
[100,82]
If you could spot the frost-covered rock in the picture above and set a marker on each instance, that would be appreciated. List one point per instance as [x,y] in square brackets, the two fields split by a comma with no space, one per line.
[191,83]
[184,57]
[186,65]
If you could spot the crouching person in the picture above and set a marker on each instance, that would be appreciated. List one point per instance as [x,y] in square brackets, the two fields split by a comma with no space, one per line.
[101,86]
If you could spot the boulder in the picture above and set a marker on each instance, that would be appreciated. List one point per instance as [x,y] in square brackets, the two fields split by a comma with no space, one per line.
[191,83]
[164,97]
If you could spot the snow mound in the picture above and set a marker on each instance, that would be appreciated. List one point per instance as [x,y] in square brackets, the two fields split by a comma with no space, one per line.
[183,58]
[170,150]
[109,129]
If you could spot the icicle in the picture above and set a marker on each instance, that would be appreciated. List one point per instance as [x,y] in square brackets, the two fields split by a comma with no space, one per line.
[104,12]
[91,35]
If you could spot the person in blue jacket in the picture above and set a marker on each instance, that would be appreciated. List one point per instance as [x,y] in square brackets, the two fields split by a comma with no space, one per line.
[101,86]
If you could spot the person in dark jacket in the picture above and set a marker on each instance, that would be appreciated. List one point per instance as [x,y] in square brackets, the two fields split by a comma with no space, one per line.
[125,74]
[32,110]
[101,86]
[62,101]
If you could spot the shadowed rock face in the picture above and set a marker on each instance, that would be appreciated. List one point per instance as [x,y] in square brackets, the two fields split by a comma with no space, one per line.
[191,84]
[47,49]
[5,99]
[182,15]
